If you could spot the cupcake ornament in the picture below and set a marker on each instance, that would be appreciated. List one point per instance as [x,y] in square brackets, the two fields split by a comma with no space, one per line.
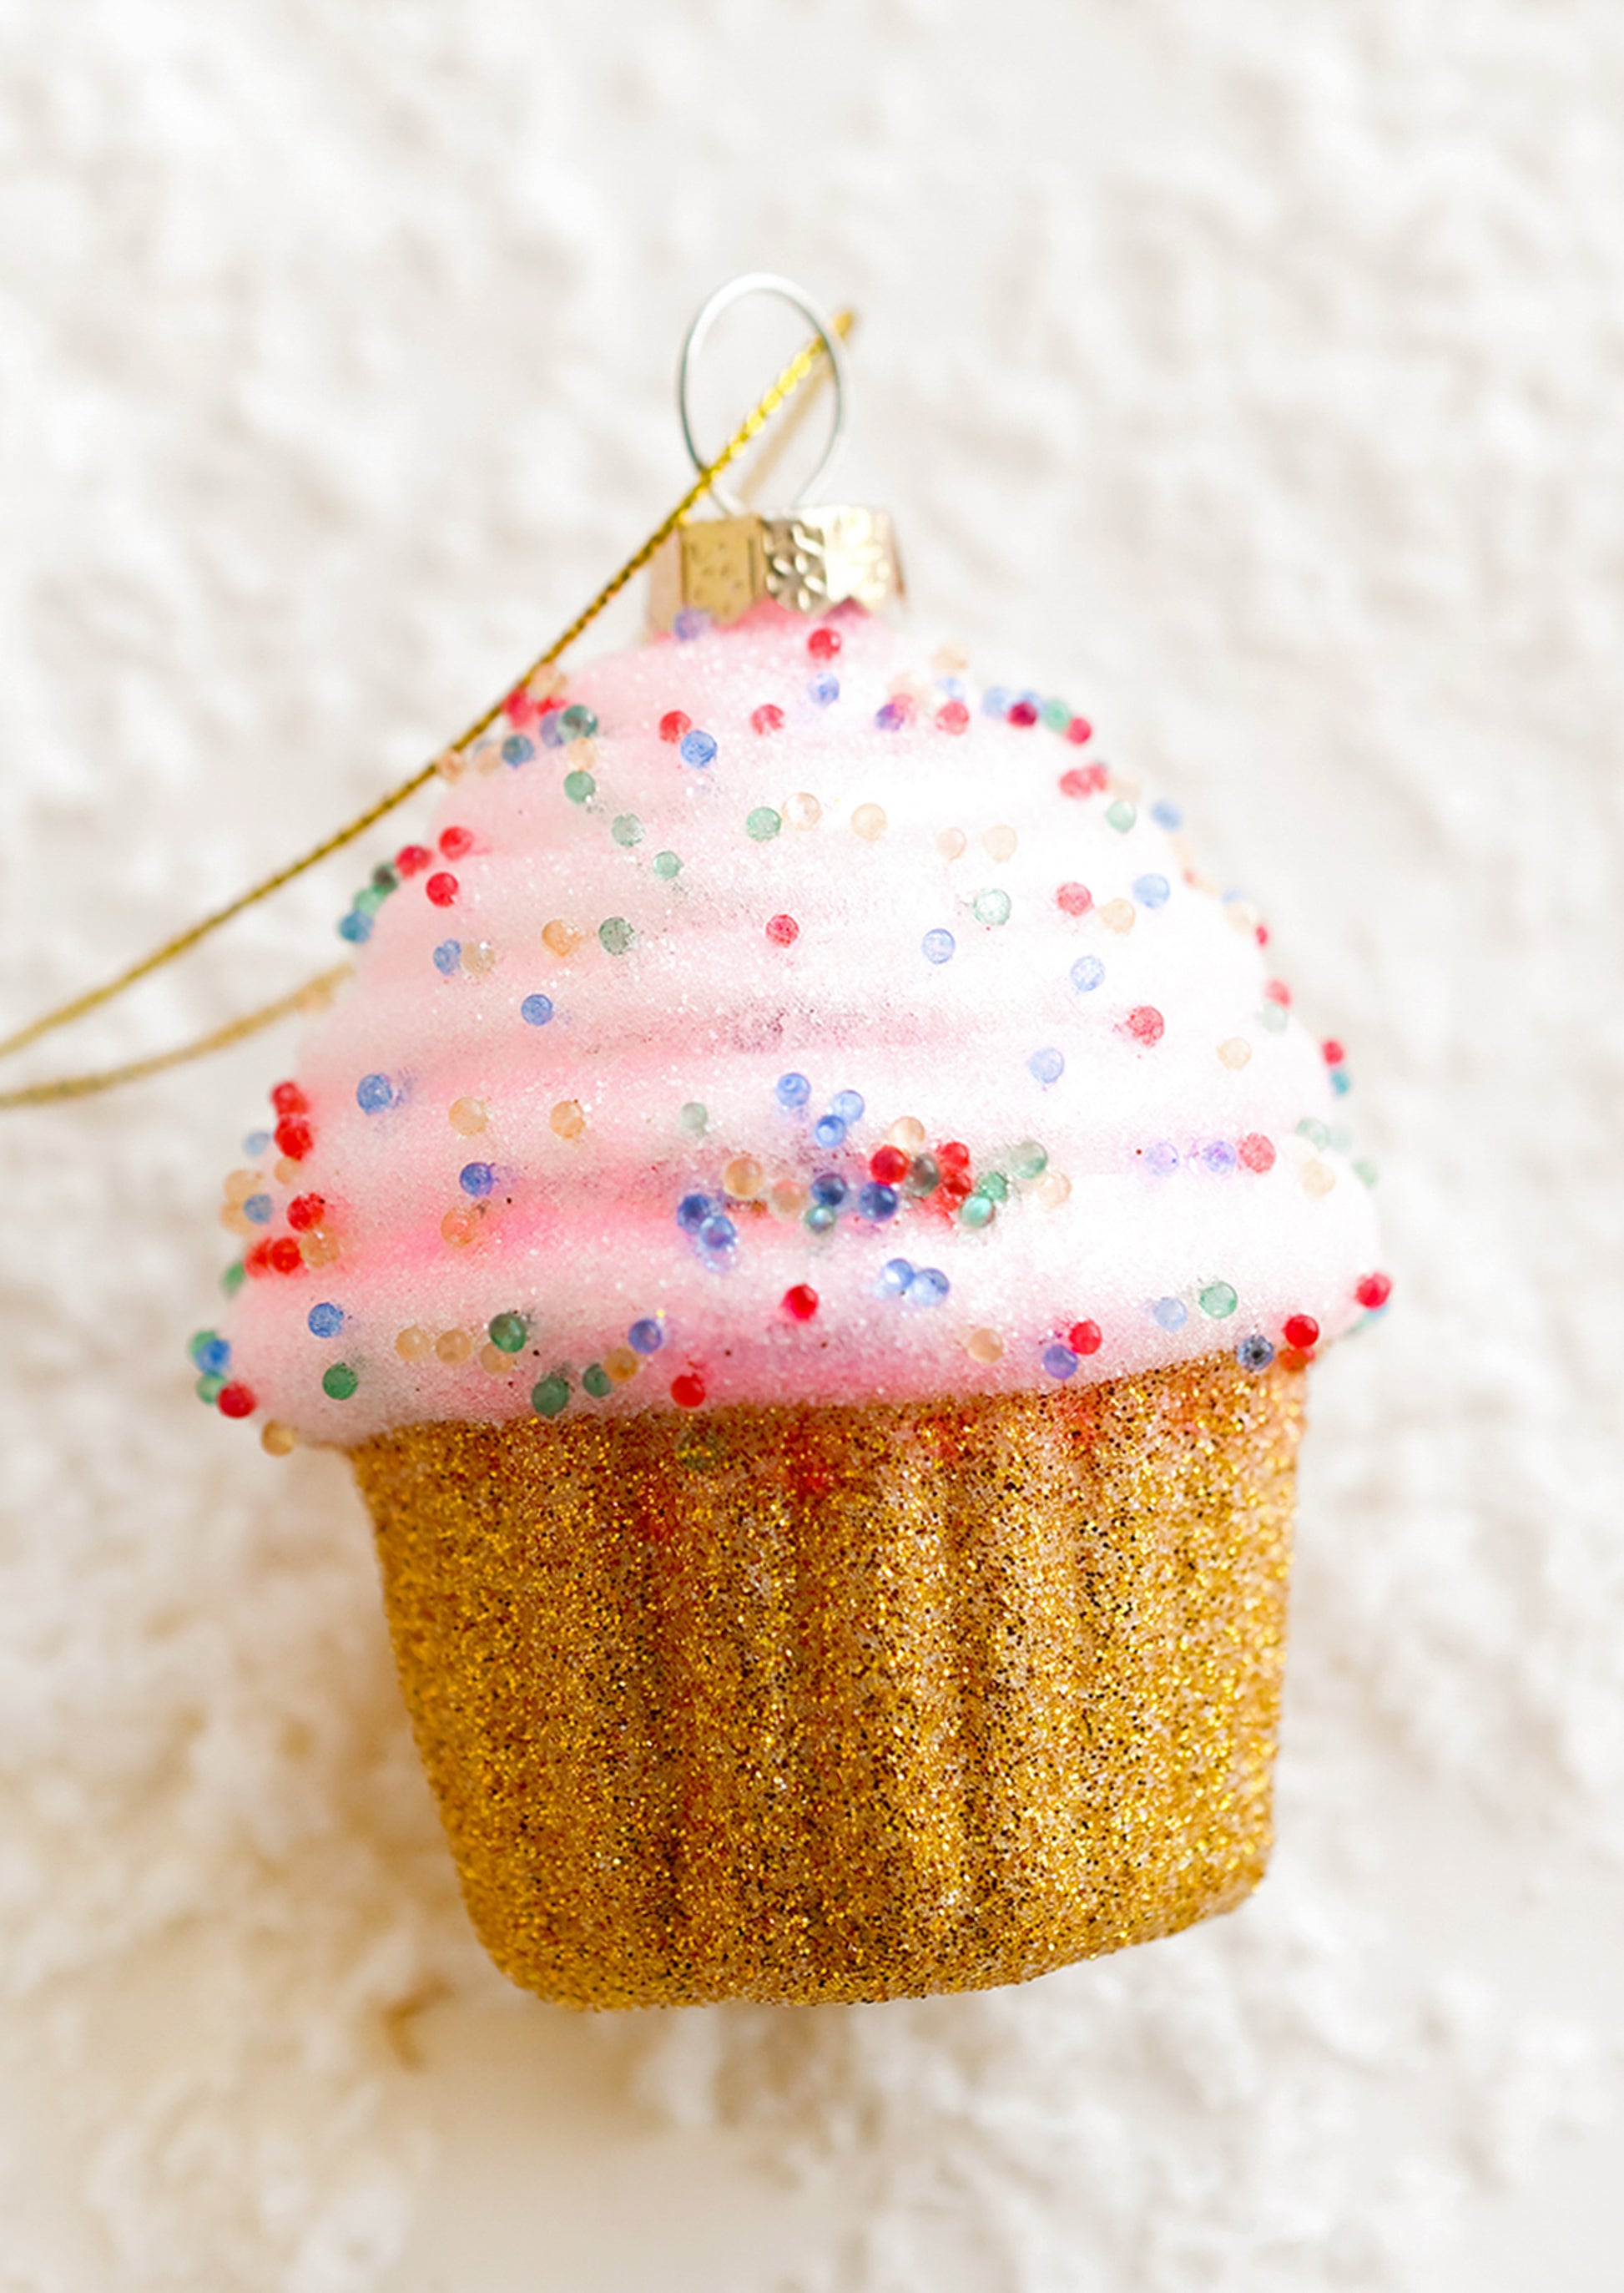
[809,1220]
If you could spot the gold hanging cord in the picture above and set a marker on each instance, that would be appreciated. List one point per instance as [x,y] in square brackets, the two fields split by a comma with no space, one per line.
[811,358]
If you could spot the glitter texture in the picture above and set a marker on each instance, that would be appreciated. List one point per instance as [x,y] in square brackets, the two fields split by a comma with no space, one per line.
[840,1703]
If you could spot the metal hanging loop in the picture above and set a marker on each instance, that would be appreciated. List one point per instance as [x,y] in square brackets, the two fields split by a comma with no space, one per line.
[763,282]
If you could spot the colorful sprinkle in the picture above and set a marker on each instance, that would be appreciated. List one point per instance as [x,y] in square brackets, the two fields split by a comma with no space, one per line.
[990,907]
[825,691]
[236,1401]
[673,725]
[1256,1152]
[762,824]
[1152,891]
[984,1346]
[1145,1024]
[550,1397]
[645,1337]
[687,1391]
[1059,1361]
[938,945]
[1074,899]
[768,718]
[1171,1313]
[568,1119]
[829,1131]
[1086,973]
[803,811]
[792,1090]
[615,934]
[441,889]
[536,1010]
[801,1303]
[1373,1290]
[374,1093]
[1084,1337]
[1121,815]
[1255,1353]
[1047,1065]
[339,1381]
[508,1332]
[823,644]
[869,822]
[323,1321]
[952,717]
[693,1118]
[1218,1300]
[666,865]
[580,786]
[477,1179]
[1301,1332]
[626,830]
[697,748]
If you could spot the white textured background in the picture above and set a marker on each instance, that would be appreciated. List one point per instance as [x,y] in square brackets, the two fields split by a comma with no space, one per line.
[1256,369]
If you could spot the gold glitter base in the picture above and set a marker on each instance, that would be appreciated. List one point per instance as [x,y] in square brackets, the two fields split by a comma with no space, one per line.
[844,1703]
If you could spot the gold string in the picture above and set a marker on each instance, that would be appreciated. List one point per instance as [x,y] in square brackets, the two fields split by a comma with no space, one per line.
[235,1031]
[784,388]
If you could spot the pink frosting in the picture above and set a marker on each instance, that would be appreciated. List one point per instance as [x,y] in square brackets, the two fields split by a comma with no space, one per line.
[902,892]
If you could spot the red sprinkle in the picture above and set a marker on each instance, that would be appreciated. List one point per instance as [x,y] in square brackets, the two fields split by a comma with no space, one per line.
[454,842]
[235,1401]
[1301,1331]
[304,1211]
[287,1099]
[800,1304]
[673,725]
[1023,712]
[1275,990]
[1083,780]
[1262,934]
[1332,1053]
[1078,731]
[295,1137]
[1145,1023]
[687,1391]
[952,717]
[521,707]
[1291,1357]
[284,1258]
[258,1259]
[412,859]
[768,718]
[442,889]
[953,1154]
[1256,1151]
[1373,1290]
[1075,899]
[889,1165]
[823,644]
[1084,1337]
[783,931]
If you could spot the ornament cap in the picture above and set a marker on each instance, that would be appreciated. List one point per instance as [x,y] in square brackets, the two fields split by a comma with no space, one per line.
[807,560]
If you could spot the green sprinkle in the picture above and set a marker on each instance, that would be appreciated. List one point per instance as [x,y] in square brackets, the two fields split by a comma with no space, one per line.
[1121,814]
[597,1382]
[977,1211]
[990,907]
[508,1332]
[1315,1131]
[616,934]
[1056,715]
[210,1388]
[1029,1160]
[762,824]
[1274,1017]
[386,877]
[1366,1172]
[233,1278]
[371,900]
[339,1381]
[666,864]
[577,724]
[1219,1300]
[579,786]
[627,830]
[994,1184]
[693,1118]
[552,1395]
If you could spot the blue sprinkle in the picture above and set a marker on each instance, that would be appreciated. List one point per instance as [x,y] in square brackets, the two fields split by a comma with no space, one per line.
[829,1190]
[825,690]
[1219,1156]
[793,1090]
[1086,973]
[718,1234]
[550,730]
[1254,1353]
[1341,1082]
[1166,815]
[476,1179]
[953,686]
[939,946]
[1047,1065]
[889,717]
[1152,891]
[260,1209]
[373,1093]
[697,748]
[997,701]
[1162,1157]
[1060,1361]
[213,1357]
[1172,1313]
[646,1337]
[877,1203]
[536,1010]
[257,1142]
[848,1105]
[356,928]
[929,1286]
[447,955]
[688,624]
[325,1321]
[693,1211]
[895,1276]
[516,750]
[829,1131]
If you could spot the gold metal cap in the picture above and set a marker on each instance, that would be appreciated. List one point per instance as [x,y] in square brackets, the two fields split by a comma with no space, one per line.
[806,559]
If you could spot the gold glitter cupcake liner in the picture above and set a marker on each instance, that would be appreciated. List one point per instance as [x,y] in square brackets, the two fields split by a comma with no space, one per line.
[838,1702]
